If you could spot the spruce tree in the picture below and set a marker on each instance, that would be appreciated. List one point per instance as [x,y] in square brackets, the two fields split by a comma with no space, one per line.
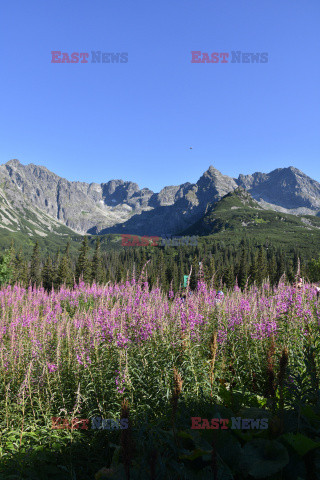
[12,256]
[175,277]
[161,274]
[314,269]
[48,274]
[6,270]
[24,278]
[281,265]
[290,271]
[209,269]
[272,269]
[243,269]
[35,266]
[253,270]
[83,268]
[55,270]
[169,274]
[18,268]
[194,275]
[64,273]
[98,273]
[228,277]
[262,266]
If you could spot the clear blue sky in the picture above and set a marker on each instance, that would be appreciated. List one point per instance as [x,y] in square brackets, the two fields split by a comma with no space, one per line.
[137,120]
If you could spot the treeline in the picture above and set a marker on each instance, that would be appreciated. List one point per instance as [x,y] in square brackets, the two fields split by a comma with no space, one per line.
[224,265]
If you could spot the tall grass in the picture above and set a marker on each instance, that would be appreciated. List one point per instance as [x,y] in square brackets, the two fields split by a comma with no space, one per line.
[82,352]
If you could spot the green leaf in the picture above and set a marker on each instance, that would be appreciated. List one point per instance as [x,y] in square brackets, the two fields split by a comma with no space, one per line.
[229,449]
[198,452]
[309,413]
[263,458]
[300,443]
[253,412]
[116,456]
[184,434]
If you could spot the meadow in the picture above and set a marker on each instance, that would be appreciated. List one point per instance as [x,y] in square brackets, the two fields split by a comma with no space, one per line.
[125,351]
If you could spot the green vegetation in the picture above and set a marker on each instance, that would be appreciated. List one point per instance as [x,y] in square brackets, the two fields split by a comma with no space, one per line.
[241,242]
[237,216]
[122,351]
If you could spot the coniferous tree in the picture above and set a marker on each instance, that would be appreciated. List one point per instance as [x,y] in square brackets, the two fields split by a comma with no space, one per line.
[229,277]
[55,270]
[6,270]
[169,274]
[175,277]
[262,266]
[281,265]
[296,261]
[64,273]
[290,271]
[243,269]
[194,275]
[209,269]
[21,270]
[35,266]
[18,267]
[118,275]
[25,277]
[161,269]
[272,269]
[83,268]
[12,256]
[48,274]
[98,273]
[253,270]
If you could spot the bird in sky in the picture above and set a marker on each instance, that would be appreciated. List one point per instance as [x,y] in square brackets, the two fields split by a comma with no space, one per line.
[190,148]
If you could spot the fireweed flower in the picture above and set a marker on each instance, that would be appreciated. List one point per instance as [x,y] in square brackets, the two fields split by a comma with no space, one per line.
[78,323]
[120,380]
[52,367]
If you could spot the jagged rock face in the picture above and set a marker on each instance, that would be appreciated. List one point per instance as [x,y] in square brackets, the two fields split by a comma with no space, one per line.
[175,208]
[121,207]
[213,185]
[288,188]
[115,206]
[78,205]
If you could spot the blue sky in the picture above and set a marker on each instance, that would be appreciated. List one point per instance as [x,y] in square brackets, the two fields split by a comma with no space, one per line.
[137,120]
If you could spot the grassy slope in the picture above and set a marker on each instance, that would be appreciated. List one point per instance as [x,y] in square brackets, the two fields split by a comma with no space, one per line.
[237,216]
[234,217]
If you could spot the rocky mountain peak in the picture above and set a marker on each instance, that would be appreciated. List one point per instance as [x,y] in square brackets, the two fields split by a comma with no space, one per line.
[13,163]
[215,184]
[121,206]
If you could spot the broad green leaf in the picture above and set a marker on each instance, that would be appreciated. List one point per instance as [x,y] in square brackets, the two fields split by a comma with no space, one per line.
[263,458]
[198,452]
[300,442]
[309,413]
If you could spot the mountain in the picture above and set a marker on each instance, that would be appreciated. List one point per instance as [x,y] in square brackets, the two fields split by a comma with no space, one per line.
[237,214]
[24,223]
[115,206]
[228,213]
[119,206]
[284,189]
[77,205]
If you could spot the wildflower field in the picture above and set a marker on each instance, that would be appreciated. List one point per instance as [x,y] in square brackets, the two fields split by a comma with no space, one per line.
[123,351]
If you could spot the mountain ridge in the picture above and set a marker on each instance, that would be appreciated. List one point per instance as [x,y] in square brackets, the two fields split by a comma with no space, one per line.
[119,206]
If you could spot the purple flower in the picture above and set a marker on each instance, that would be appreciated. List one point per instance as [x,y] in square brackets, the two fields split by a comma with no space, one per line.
[52,367]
